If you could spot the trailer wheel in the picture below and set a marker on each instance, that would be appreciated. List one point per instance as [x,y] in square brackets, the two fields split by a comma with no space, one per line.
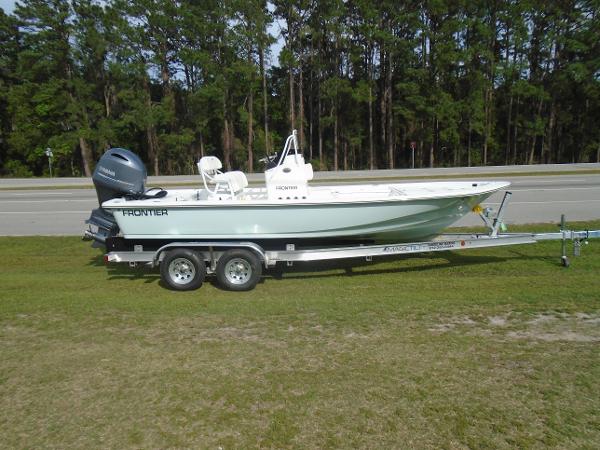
[183,269]
[238,270]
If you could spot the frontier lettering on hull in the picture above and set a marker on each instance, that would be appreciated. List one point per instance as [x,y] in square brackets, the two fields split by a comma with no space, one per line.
[145,212]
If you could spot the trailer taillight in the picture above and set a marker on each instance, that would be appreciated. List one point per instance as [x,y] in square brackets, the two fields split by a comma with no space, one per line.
[105,259]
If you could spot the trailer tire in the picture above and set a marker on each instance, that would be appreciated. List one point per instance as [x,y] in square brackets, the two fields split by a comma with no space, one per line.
[183,269]
[238,270]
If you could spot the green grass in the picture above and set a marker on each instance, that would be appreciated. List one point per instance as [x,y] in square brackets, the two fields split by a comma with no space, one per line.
[490,348]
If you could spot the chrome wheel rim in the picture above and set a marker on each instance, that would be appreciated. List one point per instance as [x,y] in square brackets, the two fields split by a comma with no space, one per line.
[182,270]
[238,271]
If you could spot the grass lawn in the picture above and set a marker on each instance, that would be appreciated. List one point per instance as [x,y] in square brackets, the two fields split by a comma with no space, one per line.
[485,348]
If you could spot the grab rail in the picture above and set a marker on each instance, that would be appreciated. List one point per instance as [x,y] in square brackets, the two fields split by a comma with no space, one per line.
[291,139]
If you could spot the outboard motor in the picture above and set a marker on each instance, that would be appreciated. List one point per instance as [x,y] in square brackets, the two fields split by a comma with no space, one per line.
[119,173]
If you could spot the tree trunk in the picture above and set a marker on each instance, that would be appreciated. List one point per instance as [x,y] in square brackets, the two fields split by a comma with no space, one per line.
[560,143]
[485,145]
[515,131]
[371,152]
[490,89]
[229,166]
[421,148]
[86,153]
[469,145]
[164,72]
[345,147]
[532,150]
[432,145]
[335,138]
[107,99]
[292,99]
[431,155]
[321,162]
[152,139]
[250,133]
[226,144]
[86,156]
[486,134]
[383,99]
[389,121]
[153,148]
[508,121]
[250,162]
[188,78]
[311,114]
[402,142]
[169,99]
[301,109]
[370,80]
[311,104]
[264,93]
[547,156]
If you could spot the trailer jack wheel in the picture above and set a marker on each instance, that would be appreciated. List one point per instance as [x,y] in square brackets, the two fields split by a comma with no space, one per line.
[565,261]
[183,269]
[238,270]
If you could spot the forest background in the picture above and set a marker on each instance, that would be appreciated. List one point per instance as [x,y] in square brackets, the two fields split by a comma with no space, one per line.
[465,82]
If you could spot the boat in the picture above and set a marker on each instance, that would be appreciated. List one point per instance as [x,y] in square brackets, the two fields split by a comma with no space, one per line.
[287,209]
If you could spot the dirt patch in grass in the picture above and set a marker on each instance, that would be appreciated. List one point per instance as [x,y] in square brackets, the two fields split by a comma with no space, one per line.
[548,326]
[566,336]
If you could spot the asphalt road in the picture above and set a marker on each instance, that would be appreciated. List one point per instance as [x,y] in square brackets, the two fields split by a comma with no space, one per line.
[478,172]
[536,199]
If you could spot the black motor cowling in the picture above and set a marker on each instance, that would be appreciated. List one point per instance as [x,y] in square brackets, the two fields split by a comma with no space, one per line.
[119,173]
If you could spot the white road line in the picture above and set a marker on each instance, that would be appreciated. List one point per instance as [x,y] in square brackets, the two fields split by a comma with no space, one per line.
[40,234]
[547,202]
[46,201]
[44,212]
[39,193]
[557,189]
[582,180]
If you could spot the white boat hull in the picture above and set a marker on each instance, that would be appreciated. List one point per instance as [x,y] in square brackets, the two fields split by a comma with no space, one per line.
[404,213]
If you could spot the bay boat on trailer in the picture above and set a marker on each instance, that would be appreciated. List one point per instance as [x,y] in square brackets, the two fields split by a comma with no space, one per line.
[232,230]
[286,209]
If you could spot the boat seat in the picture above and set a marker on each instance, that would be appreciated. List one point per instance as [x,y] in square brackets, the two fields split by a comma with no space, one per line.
[308,171]
[222,182]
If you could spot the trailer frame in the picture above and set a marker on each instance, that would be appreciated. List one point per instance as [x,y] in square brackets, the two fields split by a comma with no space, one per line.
[212,251]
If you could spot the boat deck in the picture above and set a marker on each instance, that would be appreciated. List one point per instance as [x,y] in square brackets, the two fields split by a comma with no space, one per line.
[364,193]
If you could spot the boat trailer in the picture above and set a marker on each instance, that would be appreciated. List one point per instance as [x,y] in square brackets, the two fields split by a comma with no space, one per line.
[238,264]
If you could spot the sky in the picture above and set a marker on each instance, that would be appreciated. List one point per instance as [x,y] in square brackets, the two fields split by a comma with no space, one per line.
[7,5]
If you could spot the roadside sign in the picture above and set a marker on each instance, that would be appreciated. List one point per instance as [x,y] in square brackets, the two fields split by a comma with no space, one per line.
[49,154]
